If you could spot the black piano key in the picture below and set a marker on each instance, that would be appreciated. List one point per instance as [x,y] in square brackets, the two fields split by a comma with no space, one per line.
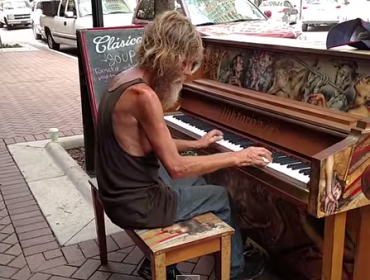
[229,136]
[304,170]
[290,165]
[241,141]
[288,160]
[244,146]
[277,155]
[299,166]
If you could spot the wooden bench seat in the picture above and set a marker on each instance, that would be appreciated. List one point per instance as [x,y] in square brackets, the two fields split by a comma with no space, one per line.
[202,235]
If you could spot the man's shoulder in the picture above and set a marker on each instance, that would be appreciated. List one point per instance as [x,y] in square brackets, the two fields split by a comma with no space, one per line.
[143,92]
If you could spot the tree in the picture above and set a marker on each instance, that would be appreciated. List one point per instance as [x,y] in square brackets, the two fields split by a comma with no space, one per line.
[161,6]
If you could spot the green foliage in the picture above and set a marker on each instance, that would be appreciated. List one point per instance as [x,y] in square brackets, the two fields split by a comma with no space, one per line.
[189,153]
[8,46]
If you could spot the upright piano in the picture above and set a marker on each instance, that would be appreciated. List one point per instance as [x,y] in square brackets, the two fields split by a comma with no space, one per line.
[309,106]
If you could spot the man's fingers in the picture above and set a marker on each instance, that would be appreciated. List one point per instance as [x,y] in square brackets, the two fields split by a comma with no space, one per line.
[214,133]
[262,150]
[217,138]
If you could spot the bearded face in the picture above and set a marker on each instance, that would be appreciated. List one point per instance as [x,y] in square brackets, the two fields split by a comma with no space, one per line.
[168,87]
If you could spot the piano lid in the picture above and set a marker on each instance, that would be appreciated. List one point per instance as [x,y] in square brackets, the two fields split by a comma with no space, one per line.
[286,45]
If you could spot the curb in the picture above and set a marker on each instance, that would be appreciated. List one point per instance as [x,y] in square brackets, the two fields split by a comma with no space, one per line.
[69,166]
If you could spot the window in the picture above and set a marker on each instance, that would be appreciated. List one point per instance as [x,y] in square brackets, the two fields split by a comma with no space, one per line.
[223,11]
[38,6]
[109,7]
[145,11]
[11,5]
[271,4]
[62,8]
[71,7]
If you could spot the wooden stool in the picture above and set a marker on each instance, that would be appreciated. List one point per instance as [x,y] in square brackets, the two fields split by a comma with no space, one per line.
[202,235]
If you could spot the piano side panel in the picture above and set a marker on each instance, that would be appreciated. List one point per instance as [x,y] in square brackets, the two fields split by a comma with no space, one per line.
[332,82]
[349,170]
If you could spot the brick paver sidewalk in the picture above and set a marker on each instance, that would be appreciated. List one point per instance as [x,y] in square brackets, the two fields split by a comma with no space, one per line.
[40,90]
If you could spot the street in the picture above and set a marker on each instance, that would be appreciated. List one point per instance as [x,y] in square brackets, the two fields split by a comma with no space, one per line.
[25,35]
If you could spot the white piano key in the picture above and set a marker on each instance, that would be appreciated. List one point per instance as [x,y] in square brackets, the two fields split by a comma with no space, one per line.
[233,147]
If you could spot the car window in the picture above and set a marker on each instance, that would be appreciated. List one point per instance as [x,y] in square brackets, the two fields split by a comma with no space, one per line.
[145,10]
[71,7]
[287,4]
[38,6]
[1,6]
[11,5]
[271,4]
[109,7]
[62,8]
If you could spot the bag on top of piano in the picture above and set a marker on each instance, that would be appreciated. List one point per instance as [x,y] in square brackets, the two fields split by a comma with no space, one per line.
[354,33]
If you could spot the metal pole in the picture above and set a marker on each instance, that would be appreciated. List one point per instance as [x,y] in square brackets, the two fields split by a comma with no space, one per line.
[97,13]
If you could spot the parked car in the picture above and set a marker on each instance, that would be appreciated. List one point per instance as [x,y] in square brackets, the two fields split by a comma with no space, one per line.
[71,15]
[320,12]
[222,17]
[36,12]
[281,10]
[15,12]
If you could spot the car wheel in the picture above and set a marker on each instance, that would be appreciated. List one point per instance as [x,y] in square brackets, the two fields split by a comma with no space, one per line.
[7,25]
[51,43]
[35,34]
[304,27]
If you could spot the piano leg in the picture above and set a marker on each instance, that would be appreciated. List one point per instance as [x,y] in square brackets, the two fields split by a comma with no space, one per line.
[362,267]
[332,259]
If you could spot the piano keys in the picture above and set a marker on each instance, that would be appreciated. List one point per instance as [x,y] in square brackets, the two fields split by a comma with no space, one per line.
[282,163]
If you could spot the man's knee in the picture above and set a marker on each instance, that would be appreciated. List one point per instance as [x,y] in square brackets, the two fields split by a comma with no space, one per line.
[220,195]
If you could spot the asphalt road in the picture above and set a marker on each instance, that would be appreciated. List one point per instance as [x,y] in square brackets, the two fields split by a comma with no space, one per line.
[25,35]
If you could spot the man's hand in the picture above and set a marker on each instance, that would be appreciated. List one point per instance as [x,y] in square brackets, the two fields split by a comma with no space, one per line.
[254,156]
[210,138]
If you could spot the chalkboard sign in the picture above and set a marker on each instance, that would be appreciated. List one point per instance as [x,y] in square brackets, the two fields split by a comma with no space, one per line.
[104,53]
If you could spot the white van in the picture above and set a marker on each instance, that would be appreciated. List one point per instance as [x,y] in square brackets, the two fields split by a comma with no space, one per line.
[15,12]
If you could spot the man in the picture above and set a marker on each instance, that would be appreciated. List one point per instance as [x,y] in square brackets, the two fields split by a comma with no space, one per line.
[143,180]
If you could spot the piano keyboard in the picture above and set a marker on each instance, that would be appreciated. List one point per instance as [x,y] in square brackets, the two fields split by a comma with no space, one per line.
[281,162]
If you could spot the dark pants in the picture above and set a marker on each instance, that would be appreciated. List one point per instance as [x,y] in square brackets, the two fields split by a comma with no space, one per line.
[196,198]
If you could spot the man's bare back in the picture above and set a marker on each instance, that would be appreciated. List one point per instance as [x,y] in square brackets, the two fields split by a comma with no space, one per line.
[128,130]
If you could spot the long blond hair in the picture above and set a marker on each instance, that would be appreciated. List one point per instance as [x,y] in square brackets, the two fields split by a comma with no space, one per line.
[168,41]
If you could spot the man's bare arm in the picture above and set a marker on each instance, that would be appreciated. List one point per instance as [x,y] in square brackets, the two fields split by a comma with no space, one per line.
[186,145]
[149,113]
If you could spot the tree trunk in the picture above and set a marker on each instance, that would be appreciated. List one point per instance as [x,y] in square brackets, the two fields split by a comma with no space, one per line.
[161,6]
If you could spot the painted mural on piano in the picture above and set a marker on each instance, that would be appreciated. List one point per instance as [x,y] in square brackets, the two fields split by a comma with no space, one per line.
[337,84]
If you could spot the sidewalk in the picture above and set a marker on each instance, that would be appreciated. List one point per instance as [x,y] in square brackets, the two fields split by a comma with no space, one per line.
[40,90]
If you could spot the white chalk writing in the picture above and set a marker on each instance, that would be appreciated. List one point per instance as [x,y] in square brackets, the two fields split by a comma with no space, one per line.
[107,43]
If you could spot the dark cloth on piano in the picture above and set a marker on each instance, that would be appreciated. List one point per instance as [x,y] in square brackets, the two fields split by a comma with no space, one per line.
[131,191]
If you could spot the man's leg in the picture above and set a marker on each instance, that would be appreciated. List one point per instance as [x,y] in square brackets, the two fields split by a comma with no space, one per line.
[196,198]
